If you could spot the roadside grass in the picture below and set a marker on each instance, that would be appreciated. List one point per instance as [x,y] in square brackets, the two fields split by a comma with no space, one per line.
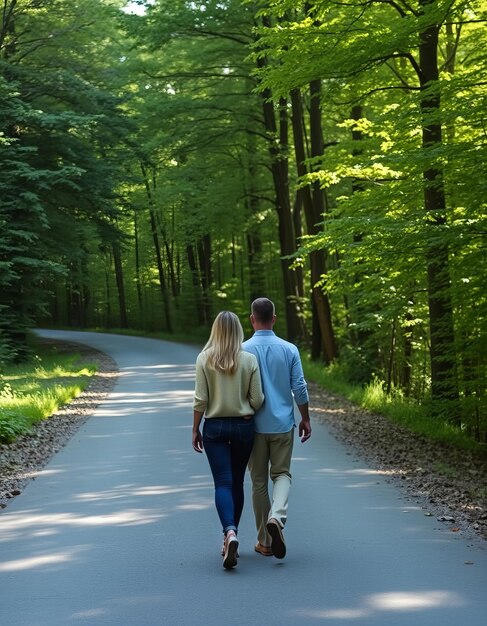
[395,406]
[34,390]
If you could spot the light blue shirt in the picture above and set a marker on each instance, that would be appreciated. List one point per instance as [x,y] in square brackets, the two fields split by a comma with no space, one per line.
[282,381]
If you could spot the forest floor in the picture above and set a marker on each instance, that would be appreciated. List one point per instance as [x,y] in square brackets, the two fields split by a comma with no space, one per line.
[447,482]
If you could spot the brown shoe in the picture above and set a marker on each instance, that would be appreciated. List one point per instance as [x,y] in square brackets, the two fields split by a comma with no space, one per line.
[278,544]
[264,550]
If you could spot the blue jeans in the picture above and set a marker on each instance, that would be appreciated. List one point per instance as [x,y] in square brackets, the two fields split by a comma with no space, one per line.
[228,443]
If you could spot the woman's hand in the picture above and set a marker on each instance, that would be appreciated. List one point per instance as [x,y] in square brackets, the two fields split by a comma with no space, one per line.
[197,438]
[197,441]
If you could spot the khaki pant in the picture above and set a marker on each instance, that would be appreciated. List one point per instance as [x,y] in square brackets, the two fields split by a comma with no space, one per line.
[271,456]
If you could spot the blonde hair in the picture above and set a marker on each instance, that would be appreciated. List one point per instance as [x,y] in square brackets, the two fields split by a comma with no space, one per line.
[225,342]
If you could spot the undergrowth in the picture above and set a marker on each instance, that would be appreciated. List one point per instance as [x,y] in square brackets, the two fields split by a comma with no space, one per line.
[394,405]
[34,390]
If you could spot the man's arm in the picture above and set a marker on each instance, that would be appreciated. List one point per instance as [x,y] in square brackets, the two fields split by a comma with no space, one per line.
[304,424]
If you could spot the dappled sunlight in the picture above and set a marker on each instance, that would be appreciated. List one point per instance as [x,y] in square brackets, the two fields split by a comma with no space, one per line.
[125,491]
[414,601]
[160,372]
[111,508]
[117,605]
[337,411]
[357,472]
[338,614]
[391,602]
[349,474]
[136,403]
[196,506]
[44,472]
[144,396]
[25,524]
[182,397]
[41,560]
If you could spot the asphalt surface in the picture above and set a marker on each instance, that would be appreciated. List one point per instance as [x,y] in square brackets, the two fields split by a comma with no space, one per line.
[120,528]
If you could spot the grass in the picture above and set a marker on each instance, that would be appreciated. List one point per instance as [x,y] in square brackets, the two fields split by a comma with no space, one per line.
[394,406]
[33,391]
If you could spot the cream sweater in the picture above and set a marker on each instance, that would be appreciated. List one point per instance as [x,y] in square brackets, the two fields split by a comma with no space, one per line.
[228,395]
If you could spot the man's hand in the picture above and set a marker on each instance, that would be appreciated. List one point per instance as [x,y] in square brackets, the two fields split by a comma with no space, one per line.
[304,430]
[197,441]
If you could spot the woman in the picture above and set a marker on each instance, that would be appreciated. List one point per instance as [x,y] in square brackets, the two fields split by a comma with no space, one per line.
[228,392]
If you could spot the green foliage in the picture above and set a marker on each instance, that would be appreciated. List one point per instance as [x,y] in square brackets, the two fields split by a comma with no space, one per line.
[394,405]
[12,425]
[387,244]
[36,389]
[57,169]
[144,185]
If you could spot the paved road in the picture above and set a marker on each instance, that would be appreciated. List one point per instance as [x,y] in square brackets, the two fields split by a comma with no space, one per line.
[120,528]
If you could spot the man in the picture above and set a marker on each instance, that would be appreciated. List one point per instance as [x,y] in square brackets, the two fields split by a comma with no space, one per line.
[283,383]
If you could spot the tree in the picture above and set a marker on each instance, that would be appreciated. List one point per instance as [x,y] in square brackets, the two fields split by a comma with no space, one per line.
[367,54]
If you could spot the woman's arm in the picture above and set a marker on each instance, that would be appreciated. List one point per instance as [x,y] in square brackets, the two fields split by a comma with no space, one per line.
[197,439]
[256,395]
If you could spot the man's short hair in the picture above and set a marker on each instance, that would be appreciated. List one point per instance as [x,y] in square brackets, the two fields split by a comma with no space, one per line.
[263,310]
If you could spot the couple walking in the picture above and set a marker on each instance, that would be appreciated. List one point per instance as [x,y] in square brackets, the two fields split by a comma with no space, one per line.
[246,393]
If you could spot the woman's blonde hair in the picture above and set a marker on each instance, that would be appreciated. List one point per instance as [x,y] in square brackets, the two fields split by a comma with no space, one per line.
[225,342]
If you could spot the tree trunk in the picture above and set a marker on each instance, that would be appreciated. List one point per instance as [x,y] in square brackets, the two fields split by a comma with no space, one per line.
[307,203]
[278,145]
[157,248]
[313,204]
[117,260]
[257,279]
[362,338]
[170,261]
[196,284]
[206,274]
[108,297]
[137,268]
[442,357]
[257,270]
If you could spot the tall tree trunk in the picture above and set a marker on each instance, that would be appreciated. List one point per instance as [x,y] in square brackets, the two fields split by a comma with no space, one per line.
[278,146]
[137,268]
[406,370]
[307,203]
[257,277]
[298,233]
[108,298]
[257,269]
[362,338]
[170,260]
[313,204]
[117,260]
[206,273]
[442,357]
[322,301]
[157,248]
[196,283]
